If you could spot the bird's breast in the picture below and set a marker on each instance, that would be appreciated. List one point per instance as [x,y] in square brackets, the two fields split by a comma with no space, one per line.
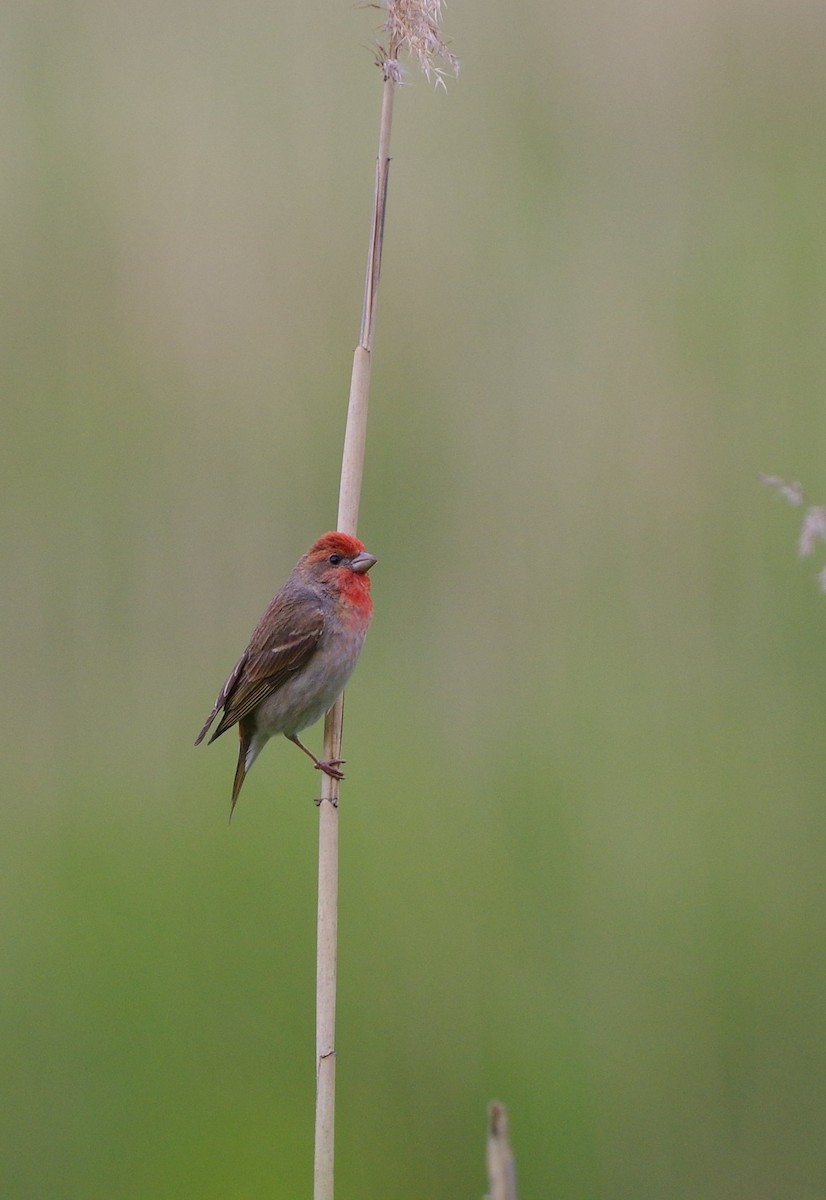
[307,694]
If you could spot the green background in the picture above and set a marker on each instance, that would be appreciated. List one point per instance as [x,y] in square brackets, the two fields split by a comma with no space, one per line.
[583,831]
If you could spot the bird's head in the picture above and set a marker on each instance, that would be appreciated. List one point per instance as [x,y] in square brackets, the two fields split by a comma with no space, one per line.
[339,562]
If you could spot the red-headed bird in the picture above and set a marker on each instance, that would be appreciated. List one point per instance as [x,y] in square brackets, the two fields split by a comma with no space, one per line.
[301,654]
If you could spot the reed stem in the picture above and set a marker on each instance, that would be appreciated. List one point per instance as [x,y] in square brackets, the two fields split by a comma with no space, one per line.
[352,467]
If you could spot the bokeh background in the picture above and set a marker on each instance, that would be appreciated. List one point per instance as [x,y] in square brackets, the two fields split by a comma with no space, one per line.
[583,832]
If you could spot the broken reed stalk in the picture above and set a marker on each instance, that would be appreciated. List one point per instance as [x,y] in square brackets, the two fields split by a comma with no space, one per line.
[501,1165]
[412,25]
[352,466]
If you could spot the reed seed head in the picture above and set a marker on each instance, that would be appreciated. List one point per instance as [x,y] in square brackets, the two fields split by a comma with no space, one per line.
[414,25]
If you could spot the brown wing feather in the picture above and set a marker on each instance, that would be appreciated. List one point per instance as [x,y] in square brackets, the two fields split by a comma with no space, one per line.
[284,640]
[229,683]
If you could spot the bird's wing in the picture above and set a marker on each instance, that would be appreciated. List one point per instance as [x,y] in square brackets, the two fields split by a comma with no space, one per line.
[283,642]
[229,684]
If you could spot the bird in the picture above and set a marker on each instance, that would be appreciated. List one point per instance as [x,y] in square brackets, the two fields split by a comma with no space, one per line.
[300,655]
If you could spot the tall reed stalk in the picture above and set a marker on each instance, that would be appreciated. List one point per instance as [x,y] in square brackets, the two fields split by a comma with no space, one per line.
[411,25]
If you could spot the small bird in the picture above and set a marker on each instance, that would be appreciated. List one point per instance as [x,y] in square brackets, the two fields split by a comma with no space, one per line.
[301,653]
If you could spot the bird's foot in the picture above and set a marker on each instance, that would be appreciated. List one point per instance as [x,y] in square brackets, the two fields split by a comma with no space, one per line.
[331,768]
[332,799]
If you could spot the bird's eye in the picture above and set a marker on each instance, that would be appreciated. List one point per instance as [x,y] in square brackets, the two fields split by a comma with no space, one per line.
[335,559]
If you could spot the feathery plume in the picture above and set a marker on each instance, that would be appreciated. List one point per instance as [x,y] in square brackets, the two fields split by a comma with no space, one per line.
[414,26]
[813,525]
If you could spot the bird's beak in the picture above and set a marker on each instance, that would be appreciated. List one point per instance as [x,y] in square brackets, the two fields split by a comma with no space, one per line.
[362,563]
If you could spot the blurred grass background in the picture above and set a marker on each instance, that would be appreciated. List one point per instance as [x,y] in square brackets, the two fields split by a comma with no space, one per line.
[583,831]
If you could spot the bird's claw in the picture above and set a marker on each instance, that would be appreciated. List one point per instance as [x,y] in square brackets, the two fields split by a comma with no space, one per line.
[331,768]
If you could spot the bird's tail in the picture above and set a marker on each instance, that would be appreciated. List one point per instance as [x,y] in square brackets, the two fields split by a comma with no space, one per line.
[250,746]
[244,737]
[240,776]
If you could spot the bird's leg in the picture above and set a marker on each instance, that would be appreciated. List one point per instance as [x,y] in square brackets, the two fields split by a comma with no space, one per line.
[329,768]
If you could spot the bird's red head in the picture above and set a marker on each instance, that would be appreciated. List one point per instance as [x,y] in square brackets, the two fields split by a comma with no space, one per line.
[340,562]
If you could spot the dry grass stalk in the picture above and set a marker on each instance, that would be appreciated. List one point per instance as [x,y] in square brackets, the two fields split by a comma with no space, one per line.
[411,25]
